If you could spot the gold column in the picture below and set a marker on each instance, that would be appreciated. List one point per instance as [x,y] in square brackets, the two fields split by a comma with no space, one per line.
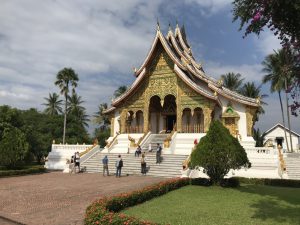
[250,113]
[112,126]
[179,119]
[146,116]
[207,118]
[123,121]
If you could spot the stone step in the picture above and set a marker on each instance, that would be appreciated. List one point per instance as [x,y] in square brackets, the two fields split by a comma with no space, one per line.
[169,167]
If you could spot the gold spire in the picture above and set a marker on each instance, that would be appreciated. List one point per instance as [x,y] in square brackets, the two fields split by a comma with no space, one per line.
[158,27]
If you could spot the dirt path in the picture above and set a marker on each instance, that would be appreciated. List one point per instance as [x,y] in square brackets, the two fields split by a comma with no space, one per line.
[57,198]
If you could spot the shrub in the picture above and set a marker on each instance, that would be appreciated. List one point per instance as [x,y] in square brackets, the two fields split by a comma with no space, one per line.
[30,170]
[13,145]
[230,182]
[105,210]
[272,182]
[218,152]
[201,182]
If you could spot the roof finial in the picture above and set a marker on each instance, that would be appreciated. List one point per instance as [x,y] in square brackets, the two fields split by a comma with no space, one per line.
[170,28]
[158,27]
[177,26]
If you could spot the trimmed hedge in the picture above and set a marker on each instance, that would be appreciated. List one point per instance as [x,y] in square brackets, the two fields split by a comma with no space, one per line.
[30,170]
[272,182]
[105,211]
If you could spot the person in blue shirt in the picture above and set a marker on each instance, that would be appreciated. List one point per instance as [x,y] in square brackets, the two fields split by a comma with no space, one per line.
[105,165]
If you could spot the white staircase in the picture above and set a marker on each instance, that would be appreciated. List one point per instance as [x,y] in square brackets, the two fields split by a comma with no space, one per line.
[154,139]
[170,166]
[292,162]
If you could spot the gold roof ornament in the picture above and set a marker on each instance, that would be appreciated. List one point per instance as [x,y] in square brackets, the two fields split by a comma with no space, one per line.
[220,82]
[158,27]
[215,93]
[134,69]
[258,100]
[170,27]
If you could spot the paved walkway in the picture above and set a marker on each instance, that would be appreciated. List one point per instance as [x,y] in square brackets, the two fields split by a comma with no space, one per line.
[57,198]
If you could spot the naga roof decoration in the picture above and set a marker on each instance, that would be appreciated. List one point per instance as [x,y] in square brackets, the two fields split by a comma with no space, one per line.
[185,66]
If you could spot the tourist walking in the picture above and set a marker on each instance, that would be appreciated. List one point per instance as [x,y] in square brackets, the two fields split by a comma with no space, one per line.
[138,151]
[158,154]
[143,164]
[105,165]
[119,165]
[77,161]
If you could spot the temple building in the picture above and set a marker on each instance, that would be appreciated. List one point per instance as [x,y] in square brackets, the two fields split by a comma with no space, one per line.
[172,92]
[172,103]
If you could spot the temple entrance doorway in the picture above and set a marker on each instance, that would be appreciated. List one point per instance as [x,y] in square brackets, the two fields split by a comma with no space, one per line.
[169,113]
[162,114]
[170,123]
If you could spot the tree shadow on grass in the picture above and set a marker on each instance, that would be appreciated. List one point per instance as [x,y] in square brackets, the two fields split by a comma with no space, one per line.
[272,210]
[279,204]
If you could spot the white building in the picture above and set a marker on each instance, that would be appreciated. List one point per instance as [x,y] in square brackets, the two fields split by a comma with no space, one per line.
[275,136]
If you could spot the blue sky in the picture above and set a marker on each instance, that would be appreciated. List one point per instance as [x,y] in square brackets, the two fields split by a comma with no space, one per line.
[104,40]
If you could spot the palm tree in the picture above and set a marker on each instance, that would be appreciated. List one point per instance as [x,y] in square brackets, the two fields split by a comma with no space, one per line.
[279,68]
[64,79]
[76,109]
[100,117]
[121,90]
[53,104]
[74,104]
[258,137]
[250,90]
[232,81]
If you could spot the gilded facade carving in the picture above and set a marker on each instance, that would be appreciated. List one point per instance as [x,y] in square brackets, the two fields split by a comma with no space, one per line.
[207,118]
[250,115]
[161,81]
[112,122]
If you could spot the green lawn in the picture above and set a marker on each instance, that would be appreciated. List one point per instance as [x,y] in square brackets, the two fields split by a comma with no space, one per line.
[249,204]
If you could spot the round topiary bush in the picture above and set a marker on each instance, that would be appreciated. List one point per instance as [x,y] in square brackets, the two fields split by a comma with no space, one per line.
[218,152]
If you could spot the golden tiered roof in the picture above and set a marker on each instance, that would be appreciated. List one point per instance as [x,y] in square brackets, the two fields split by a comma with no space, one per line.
[186,67]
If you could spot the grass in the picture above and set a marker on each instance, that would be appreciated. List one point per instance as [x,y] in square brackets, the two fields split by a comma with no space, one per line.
[249,204]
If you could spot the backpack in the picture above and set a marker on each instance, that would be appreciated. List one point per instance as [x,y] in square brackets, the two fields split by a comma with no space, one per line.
[120,163]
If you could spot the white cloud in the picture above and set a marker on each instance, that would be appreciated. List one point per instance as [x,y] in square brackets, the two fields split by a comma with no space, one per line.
[209,7]
[101,40]
[249,72]
[266,43]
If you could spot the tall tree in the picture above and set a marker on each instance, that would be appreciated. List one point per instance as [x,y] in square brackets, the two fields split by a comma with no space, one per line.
[53,104]
[249,89]
[77,110]
[121,90]
[64,79]
[279,69]
[232,81]
[100,118]
[282,18]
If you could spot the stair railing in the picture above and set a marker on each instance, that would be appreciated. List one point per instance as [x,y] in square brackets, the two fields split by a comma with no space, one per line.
[281,166]
[168,139]
[89,148]
[186,162]
[112,142]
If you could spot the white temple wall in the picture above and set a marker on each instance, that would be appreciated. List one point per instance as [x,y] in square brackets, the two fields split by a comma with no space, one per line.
[241,110]
[116,122]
